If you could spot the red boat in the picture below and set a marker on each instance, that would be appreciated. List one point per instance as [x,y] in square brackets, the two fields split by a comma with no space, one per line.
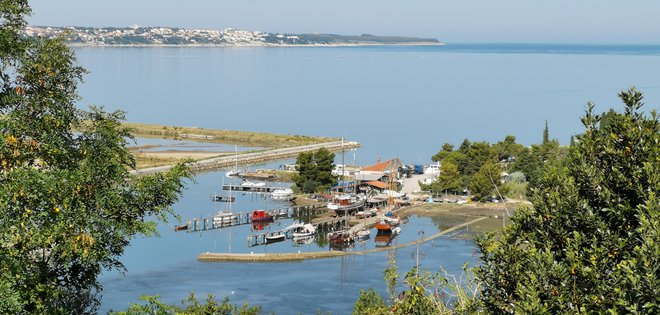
[261,215]
[383,226]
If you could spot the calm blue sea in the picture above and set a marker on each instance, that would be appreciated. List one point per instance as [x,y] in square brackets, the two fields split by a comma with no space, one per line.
[397,101]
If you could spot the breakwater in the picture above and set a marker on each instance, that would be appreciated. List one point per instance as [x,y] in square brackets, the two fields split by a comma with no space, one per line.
[254,157]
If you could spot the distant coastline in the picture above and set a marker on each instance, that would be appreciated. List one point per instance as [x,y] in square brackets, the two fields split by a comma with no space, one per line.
[177,37]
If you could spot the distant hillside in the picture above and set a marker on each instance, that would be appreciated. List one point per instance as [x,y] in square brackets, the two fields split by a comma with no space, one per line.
[162,36]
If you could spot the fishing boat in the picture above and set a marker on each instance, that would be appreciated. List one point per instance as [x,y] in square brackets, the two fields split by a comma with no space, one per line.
[247,183]
[275,238]
[383,227]
[363,234]
[302,230]
[261,215]
[285,194]
[340,237]
[346,204]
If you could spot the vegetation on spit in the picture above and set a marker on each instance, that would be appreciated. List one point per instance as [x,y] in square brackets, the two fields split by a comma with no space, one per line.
[243,138]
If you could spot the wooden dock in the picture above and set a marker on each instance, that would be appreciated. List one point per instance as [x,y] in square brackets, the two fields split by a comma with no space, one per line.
[249,188]
[324,226]
[206,223]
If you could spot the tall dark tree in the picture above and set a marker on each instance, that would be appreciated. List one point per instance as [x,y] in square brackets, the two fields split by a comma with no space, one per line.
[546,133]
[68,204]
[591,242]
[314,170]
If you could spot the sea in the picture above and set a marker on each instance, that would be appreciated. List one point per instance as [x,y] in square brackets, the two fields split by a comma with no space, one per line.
[397,101]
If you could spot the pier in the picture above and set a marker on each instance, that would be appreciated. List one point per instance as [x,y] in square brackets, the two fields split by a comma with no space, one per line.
[206,223]
[222,257]
[325,226]
[254,157]
[250,188]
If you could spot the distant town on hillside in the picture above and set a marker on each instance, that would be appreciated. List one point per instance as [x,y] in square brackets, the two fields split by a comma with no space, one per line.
[170,36]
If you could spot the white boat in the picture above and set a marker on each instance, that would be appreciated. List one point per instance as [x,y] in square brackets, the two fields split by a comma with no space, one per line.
[282,194]
[302,230]
[247,183]
[396,230]
[433,169]
[223,218]
[233,173]
[346,204]
[363,234]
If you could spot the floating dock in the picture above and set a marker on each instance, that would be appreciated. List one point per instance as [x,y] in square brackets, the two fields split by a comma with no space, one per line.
[206,223]
[249,188]
[325,225]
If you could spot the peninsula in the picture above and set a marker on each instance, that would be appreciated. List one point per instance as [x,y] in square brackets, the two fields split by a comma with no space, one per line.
[170,36]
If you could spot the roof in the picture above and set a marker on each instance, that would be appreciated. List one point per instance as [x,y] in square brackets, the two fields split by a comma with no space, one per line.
[377,184]
[380,167]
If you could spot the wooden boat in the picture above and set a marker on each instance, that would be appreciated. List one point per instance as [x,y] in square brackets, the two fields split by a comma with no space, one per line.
[261,215]
[340,237]
[363,234]
[383,226]
[302,230]
[182,227]
[346,204]
[275,238]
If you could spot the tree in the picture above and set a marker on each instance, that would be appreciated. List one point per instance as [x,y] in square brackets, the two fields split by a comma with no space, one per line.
[446,150]
[484,183]
[546,133]
[191,306]
[507,149]
[449,178]
[591,242]
[68,204]
[314,170]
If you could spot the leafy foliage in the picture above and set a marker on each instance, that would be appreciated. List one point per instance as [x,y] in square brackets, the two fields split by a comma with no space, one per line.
[190,306]
[314,170]
[68,205]
[591,242]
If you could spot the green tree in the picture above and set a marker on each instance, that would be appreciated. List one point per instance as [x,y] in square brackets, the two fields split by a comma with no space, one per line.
[191,306]
[485,182]
[546,133]
[446,150]
[504,150]
[314,170]
[68,204]
[449,178]
[591,242]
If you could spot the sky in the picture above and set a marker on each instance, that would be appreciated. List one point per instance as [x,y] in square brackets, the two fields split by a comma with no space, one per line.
[504,21]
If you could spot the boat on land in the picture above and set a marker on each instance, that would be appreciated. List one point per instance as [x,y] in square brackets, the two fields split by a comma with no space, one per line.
[302,230]
[275,238]
[261,216]
[347,204]
[285,194]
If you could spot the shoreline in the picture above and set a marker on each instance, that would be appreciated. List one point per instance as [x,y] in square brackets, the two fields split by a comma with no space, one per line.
[89,45]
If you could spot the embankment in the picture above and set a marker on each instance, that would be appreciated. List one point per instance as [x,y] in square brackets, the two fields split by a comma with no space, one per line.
[255,157]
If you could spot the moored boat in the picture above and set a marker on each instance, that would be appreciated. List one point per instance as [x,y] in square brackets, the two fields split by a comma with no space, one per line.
[302,230]
[224,218]
[363,234]
[261,215]
[275,238]
[346,204]
[340,237]
[182,227]
[285,194]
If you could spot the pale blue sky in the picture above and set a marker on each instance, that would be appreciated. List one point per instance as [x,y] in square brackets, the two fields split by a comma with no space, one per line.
[554,21]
